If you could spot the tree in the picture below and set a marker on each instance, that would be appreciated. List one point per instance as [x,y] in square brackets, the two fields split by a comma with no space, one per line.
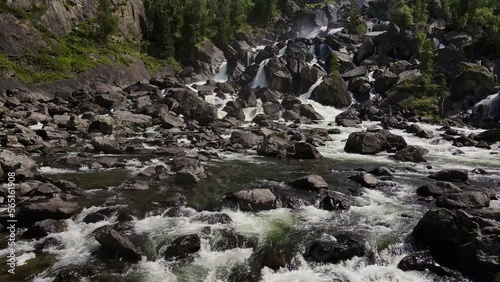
[401,14]
[352,15]
[107,22]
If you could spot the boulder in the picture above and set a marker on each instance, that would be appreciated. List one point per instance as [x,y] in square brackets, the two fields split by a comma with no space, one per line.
[413,154]
[169,121]
[333,201]
[332,93]
[365,179]
[346,246]
[438,189]
[16,160]
[302,150]
[54,208]
[489,136]
[451,175]
[306,110]
[273,145]
[244,138]
[226,239]
[309,182]
[384,81]
[183,246]
[271,109]
[367,143]
[349,118]
[107,144]
[43,228]
[117,244]
[252,200]
[102,124]
[464,200]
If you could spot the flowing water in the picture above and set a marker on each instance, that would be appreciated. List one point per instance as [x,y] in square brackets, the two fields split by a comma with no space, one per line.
[384,216]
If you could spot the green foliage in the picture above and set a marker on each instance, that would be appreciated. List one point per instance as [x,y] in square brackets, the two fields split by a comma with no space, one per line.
[263,11]
[352,15]
[424,106]
[176,25]
[107,22]
[480,17]
[401,14]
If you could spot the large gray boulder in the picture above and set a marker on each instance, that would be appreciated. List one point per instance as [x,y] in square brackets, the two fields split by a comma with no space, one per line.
[332,93]
[253,200]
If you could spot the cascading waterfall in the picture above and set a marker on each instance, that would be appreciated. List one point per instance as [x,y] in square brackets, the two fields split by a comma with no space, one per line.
[221,75]
[260,79]
[488,108]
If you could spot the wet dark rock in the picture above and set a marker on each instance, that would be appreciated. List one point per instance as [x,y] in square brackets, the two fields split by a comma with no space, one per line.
[464,200]
[412,154]
[413,128]
[273,145]
[95,217]
[54,208]
[183,246]
[302,150]
[454,239]
[186,178]
[102,124]
[213,218]
[368,143]
[290,102]
[290,115]
[346,246]
[489,136]
[333,201]
[49,243]
[306,110]
[479,171]
[464,141]
[349,118]
[244,138]
[385,81]
[417,261]
[330,93]
[252,200]
[451,175]
[365,179]
[169,121]
[11,160]
[227,239]
[272,109]
[438,189]
[422,261]
[248,95]
[43,228]
[106,144]
[425,134]
[309,182]
[118,244]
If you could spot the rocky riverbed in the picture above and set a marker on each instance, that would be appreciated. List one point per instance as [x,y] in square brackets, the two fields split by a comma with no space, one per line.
[256,171]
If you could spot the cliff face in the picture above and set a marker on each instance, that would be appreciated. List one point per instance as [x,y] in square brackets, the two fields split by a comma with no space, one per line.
[29,26]
[61,16]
